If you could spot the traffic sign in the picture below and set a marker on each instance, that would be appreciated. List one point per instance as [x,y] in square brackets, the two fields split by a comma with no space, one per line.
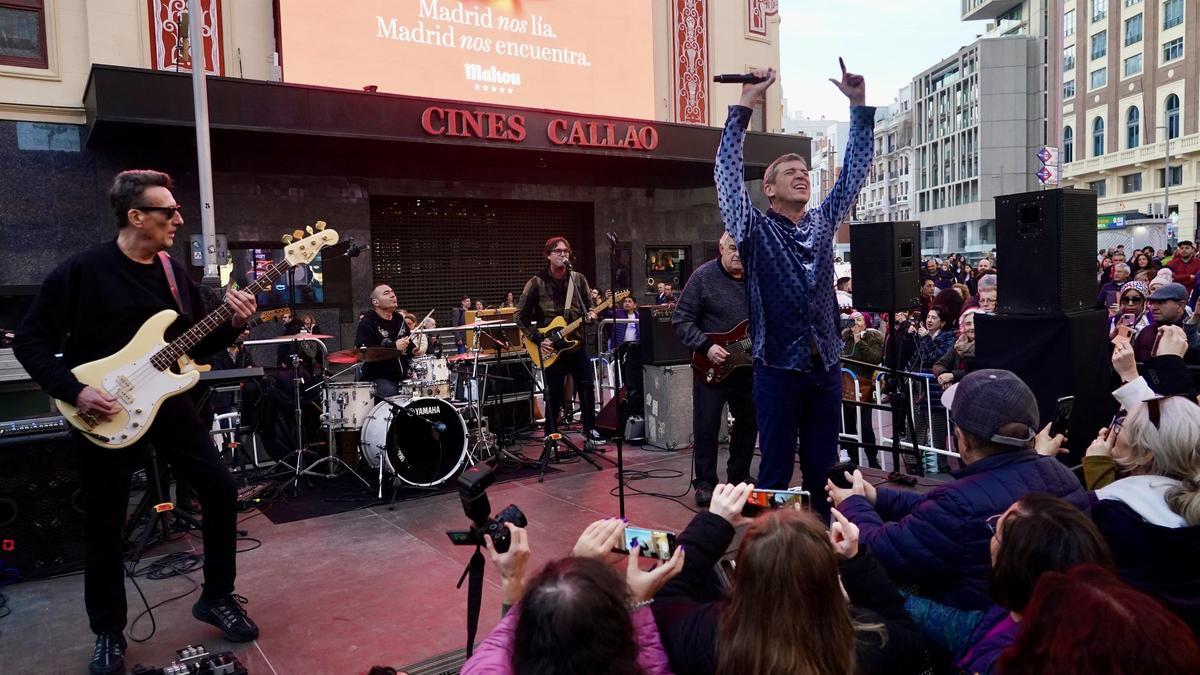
[1047,174]
[1048,155]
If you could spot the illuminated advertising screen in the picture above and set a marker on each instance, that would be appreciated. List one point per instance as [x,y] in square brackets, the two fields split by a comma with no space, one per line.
[584,56]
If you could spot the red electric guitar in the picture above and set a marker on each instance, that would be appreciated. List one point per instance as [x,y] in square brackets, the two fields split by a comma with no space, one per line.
[735,341]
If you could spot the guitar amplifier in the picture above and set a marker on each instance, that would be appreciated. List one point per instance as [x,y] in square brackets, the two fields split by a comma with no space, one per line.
[41,504]
[660,342]
[668,407]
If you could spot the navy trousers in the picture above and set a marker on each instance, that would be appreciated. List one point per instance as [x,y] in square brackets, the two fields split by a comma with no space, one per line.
[799,405]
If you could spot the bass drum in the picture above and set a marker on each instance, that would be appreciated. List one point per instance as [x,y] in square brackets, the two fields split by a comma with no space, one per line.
[404,434]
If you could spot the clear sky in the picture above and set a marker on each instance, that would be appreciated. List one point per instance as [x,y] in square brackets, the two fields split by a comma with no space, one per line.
[886,41]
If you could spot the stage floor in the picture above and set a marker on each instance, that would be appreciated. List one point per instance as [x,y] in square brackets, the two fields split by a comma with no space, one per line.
[371,586]
[341,593]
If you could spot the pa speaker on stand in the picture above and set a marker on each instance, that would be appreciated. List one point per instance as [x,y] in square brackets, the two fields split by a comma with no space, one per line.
[885,265]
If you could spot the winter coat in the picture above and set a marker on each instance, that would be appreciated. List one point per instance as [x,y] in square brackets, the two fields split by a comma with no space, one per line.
[940,540]
[1155,550]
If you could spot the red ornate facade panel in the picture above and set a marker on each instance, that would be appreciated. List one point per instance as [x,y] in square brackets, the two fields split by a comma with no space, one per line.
[691,71]
[758,11]
[169,36]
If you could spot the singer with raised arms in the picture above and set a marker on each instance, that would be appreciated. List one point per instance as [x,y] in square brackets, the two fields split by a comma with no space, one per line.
[788,256]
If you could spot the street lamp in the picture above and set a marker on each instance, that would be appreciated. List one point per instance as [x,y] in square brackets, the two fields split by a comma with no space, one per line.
[1167,174]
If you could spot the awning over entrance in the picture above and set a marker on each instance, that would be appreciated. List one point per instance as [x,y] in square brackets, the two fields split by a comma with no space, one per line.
[293,129]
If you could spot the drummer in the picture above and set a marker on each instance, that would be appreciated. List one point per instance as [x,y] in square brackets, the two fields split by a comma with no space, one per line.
[384,327]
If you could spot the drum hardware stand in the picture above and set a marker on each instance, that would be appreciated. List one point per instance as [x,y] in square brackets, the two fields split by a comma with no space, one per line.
[158,512]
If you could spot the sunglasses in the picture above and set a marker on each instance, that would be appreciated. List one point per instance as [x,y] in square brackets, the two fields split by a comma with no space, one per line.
[168,211]
[1132,300]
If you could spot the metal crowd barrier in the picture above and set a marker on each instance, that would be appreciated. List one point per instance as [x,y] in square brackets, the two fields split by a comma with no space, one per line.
[932,426]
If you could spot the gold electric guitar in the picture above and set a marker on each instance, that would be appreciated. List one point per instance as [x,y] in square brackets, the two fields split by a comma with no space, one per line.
[559,332]
[140,375]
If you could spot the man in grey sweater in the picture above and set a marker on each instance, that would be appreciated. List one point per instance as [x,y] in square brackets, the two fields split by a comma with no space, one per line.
[714,301]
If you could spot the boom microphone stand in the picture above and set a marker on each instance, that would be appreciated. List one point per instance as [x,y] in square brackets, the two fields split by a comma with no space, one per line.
[620,353]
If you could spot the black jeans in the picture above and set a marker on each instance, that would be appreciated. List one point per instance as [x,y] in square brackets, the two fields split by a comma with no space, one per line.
[186,446]
[579,364]
[707,401]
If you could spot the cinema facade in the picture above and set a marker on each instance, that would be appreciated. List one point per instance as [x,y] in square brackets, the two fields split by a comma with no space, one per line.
[453,197]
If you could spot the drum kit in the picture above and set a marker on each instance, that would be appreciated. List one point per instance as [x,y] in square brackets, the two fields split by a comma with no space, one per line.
[420,438]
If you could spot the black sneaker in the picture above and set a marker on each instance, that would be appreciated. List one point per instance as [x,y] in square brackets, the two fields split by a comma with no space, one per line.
[109,654]
[703,495]
[227,614]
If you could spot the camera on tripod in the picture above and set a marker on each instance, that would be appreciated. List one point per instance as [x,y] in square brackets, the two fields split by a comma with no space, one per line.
[472,490]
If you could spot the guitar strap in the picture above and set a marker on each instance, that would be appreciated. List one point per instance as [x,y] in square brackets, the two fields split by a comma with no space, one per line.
[165,259]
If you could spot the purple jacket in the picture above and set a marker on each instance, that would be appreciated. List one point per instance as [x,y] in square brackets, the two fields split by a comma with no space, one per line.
[939,540]
[494,655]
[994,633]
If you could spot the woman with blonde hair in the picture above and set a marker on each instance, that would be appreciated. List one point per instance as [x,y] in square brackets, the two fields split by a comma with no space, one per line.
[1150,514]
[787,612]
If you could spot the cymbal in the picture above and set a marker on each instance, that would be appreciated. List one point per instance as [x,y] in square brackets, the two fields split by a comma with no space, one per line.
[363,354]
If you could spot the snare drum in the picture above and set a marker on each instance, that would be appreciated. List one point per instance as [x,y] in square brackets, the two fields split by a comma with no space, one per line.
[348,404]
[423,441]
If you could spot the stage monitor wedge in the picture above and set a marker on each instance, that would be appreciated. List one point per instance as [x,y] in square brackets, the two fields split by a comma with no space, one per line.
[1045,250]
[885,261]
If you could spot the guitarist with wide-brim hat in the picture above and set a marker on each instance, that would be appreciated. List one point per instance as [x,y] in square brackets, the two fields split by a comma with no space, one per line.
[714,301]
[93,304]
[558,291]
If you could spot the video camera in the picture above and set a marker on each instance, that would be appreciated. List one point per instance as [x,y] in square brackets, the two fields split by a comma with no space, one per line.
[472,490]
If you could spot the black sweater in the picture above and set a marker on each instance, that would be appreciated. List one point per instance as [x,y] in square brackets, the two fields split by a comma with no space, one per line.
[712,302]
[92,305]
[688,609]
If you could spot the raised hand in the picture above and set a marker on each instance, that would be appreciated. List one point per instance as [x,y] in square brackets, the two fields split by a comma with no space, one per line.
[853,86]
[755,94]
[600,538]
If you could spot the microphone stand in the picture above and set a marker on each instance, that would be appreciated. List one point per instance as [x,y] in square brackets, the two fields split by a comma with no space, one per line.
[620,354]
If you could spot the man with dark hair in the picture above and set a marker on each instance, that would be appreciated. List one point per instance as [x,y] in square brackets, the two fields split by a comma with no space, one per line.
[383,326]
[788,255]
[714,301]
[90,307]
[558,290]
[459,318]
[845,294]
[941,540]
[1168,306]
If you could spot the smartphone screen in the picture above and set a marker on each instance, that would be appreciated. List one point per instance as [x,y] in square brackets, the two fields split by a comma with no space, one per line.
[655,544]
[760,500]
[1062,415]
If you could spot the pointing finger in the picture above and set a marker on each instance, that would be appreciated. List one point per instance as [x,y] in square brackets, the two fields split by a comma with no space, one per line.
[842,64]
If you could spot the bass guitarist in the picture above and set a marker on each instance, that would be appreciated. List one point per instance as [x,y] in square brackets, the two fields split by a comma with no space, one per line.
[558,291]
[92,305]
[714,301]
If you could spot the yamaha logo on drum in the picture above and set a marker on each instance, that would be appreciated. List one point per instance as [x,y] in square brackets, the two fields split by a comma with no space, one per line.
[426,410]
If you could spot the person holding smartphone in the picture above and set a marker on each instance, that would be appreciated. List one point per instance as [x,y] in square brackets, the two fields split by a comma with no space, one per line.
[1129,308]
[786,604]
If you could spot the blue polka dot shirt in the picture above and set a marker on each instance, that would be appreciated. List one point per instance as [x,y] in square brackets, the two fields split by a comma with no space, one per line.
[789,266]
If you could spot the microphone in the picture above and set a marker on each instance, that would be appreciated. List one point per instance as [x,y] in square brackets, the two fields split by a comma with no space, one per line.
[438,427]
[738,78]
[354,250]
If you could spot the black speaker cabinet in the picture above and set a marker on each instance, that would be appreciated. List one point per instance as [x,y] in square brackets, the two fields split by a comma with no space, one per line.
[1056,355]
[885,261]
[660,342]
[41,505]
[1045,248]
